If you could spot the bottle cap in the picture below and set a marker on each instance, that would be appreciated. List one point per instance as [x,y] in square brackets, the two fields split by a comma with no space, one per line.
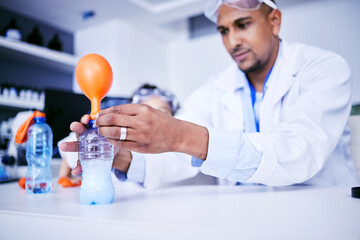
[355,192]
[39,114]
[21,134]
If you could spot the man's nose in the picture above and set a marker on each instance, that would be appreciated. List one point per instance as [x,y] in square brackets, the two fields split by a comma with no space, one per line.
[235,39]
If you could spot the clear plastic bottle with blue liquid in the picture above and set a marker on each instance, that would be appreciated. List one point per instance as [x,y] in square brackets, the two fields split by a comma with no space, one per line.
[38,156]
[96,155]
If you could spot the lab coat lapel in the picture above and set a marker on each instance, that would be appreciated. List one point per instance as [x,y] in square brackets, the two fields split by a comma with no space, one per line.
[280,81]
[232,80]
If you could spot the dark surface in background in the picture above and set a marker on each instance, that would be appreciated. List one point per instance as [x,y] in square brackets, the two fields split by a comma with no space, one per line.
[355,110]
[9,112]
[200,26]
[27,25]
[62,108]
[31,76]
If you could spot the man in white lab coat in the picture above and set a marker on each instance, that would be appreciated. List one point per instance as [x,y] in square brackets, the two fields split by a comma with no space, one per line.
[277,116]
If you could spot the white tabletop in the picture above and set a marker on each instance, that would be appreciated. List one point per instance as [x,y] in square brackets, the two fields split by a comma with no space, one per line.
[185,212]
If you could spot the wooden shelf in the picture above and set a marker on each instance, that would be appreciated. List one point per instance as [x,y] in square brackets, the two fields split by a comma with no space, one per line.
[36,55]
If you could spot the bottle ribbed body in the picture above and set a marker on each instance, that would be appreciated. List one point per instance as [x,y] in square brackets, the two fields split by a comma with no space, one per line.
[96,157]
[38,157]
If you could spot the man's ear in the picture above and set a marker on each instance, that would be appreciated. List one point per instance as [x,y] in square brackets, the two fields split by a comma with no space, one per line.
[275,20]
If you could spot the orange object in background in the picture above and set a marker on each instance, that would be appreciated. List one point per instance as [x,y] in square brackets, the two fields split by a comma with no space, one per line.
[94,76]
[21,133]
[21,182]
[66,182]
[63,181]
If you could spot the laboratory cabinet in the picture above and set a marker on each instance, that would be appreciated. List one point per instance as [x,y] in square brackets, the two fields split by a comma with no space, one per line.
[27,64]
[27,72]
[22,56]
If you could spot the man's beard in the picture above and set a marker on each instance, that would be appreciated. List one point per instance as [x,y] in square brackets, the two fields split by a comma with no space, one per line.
[253,68]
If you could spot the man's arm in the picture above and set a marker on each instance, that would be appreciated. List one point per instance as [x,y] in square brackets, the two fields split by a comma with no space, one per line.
[151,131]
[183,137]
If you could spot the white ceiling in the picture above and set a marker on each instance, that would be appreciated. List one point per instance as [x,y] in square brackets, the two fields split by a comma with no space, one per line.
[67,14]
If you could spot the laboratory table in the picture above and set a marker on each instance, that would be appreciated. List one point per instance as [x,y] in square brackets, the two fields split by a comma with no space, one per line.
[183,212]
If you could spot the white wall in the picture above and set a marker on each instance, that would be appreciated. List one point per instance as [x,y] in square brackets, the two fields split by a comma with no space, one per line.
[329,24]
[192,62]
[136,57]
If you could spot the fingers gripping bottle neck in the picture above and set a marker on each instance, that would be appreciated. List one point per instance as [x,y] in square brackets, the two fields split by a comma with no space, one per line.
[38,137]
[96,157]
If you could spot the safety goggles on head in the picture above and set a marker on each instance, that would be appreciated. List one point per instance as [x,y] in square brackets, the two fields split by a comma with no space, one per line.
[144,93]
[212,6]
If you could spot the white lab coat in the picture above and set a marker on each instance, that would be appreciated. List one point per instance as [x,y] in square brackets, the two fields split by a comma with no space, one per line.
[304,134]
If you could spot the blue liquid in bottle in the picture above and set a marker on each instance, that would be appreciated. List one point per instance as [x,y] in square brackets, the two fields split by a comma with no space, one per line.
[96,156]
[38,157]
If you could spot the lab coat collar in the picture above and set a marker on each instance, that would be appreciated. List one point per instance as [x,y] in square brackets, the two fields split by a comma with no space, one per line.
[279,82]
[283,74]
[234,79]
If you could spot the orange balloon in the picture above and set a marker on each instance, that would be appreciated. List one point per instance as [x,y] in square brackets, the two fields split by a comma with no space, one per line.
[94,76]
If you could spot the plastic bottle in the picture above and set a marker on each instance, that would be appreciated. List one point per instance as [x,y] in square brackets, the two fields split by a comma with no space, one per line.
[96,157]
[38,156]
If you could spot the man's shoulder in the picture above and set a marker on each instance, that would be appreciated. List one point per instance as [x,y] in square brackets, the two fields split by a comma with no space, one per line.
[304,49]
[310,62]
[301,54]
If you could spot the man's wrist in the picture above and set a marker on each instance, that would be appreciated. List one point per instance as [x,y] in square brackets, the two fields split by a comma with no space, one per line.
[122,160]
[192,139]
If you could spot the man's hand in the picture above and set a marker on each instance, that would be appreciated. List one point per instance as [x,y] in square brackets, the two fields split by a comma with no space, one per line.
[78,128]
[122,158]
[151,131]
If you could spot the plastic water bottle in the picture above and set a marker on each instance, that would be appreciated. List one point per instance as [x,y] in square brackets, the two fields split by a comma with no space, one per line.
[38,156]
[96,155]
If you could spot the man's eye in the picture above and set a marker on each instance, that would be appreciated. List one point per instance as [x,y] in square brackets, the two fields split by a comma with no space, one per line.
[243,25]
[223,31]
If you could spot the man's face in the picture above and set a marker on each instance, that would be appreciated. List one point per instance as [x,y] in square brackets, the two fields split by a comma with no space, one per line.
[247,35]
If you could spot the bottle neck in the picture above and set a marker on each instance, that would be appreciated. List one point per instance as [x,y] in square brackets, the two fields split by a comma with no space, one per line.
[39,119]
[91,124]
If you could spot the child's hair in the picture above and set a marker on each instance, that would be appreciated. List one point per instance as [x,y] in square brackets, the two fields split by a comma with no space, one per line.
[146,90]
